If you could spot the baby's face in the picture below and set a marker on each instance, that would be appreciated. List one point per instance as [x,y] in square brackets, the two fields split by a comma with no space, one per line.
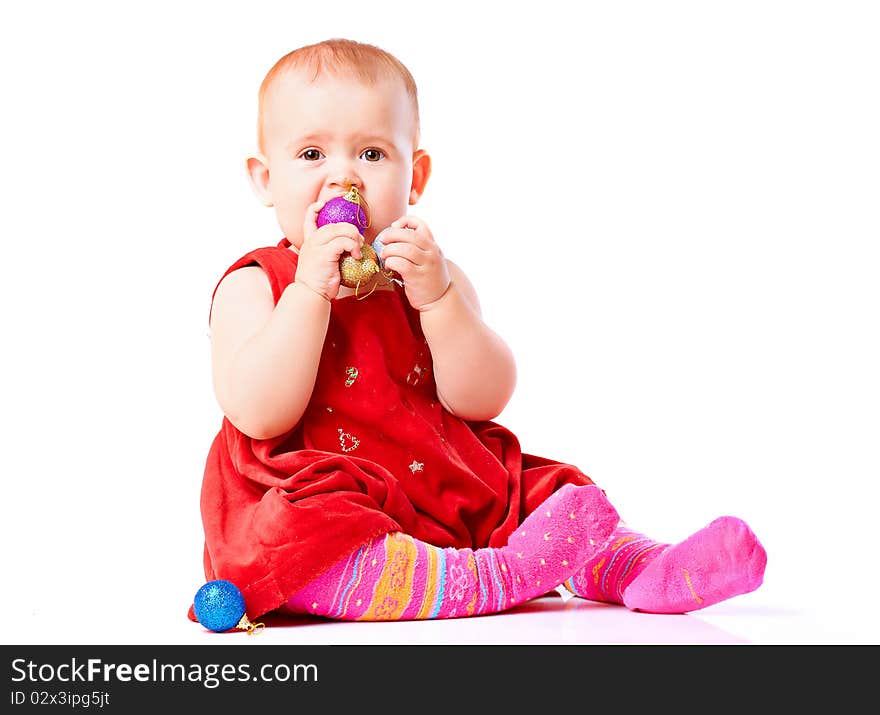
[320,136]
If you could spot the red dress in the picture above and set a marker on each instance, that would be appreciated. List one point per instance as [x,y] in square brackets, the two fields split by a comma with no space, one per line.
[374,452]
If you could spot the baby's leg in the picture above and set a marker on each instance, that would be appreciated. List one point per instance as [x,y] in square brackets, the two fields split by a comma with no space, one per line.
[722,560]
[397,577]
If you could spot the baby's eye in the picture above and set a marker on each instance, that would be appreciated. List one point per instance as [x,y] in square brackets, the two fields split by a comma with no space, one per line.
[311,154]
[372,154]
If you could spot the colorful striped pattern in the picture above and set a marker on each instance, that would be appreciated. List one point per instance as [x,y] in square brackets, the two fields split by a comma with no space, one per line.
[606,576]
[397,577]
[357,574]
[433,591]
[394,588]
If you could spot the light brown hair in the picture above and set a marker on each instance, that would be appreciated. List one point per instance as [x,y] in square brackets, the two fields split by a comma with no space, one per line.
[341,57]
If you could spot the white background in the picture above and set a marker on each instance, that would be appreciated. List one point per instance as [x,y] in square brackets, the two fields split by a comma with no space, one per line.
[669,210]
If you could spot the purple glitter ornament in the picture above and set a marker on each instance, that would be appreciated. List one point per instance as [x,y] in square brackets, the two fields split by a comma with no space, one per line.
[344,209]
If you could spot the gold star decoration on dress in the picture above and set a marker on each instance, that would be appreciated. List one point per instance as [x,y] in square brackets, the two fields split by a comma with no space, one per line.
[416,466]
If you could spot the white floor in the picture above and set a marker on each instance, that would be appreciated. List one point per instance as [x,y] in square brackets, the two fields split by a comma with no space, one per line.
[767,616]
[552,620]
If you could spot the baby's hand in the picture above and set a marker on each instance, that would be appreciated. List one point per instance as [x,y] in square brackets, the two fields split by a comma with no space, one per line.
[410,250]
[318,266]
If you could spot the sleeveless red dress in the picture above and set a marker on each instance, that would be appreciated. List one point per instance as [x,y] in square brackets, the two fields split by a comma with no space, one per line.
[374,452]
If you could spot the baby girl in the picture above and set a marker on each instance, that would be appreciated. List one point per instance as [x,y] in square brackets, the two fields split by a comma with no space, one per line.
[357,473]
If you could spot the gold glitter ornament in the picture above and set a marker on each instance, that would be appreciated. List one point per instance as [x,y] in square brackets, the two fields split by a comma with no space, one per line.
[364,273]
[359,273]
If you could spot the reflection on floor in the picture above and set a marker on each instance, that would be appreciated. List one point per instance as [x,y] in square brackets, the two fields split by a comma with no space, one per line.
[771,615]
[547,620]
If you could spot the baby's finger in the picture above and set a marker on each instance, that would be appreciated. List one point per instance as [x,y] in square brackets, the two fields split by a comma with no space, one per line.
[330,231]
[312,210]
[400,249]
[341,244]
[400,265]
[405,235]
[407,221]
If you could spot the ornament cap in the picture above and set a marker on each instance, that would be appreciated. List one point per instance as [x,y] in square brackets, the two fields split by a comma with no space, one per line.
[252,628]
[353,195]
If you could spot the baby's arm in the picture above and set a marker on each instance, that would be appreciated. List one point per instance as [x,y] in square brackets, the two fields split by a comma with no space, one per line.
[474,368]
[264,357]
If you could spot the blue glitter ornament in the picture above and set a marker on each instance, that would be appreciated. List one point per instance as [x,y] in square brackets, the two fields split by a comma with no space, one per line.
[378,245]
[219,606]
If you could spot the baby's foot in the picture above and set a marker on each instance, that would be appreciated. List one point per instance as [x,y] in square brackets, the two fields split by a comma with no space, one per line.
[722,560]
[557,539]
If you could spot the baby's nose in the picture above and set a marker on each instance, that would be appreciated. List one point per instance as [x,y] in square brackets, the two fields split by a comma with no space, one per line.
[343,175]
[345,181]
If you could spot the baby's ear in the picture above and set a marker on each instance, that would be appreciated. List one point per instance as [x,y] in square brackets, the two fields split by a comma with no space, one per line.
[421,174]
[258,173]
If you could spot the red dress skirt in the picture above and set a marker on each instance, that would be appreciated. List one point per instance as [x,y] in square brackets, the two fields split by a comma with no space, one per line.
[374,452]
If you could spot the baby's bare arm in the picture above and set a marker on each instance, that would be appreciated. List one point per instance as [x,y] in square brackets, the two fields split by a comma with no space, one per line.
[474,368]
[264,357]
